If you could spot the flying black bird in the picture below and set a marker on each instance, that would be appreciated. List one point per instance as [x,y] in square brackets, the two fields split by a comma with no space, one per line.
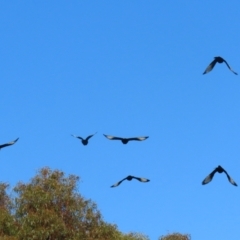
[217,60]
[125,140]
[8,144]
[84,141]
[129,178]
[219,169]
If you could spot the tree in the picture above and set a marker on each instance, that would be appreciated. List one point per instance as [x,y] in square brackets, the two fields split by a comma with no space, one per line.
[176,236]
[7,223]
[50,208]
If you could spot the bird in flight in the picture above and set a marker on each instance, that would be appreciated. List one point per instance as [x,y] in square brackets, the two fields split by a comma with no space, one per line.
[125,140]
[129,178]
[84,141]
[219,169]
[8,144]
[217,60]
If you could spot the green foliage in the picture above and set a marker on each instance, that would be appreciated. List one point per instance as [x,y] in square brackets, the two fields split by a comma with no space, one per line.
[49,207]
[176,236]
[7,222]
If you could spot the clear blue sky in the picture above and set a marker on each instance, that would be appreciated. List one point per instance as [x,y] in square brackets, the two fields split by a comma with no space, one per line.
[127,68]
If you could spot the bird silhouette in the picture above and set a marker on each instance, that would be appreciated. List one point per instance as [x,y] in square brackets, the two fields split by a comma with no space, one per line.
[84,141]
[217,60]
[219,169]
[8,144]
[125,140]
[129,178]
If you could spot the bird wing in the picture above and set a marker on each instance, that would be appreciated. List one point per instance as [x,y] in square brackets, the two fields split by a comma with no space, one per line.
[118,183]
[230,179]
[137,138]
[112,137]
[90,136]
[210,66]
[141,179]
[209,177]
[8,144]
[229,67]
[77,137]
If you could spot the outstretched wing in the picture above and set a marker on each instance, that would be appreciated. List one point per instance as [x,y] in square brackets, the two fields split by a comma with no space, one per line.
[90,136]
[142,179]
[230,179]
[112,137]
[229,67]
[8,144]
[137,138]
[77,137]
[210,66]
[209,177]
[118,183]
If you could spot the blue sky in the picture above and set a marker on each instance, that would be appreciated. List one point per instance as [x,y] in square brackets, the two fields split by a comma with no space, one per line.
[127,68]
